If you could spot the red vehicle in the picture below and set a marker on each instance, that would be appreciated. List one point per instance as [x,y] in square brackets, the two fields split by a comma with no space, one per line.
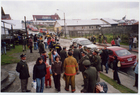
[124,56]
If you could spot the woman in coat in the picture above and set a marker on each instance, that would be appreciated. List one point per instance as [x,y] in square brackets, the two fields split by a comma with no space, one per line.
[115,70]
[39,72]
[56,70]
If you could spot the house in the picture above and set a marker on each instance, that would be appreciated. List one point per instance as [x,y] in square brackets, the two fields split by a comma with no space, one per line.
[78,27]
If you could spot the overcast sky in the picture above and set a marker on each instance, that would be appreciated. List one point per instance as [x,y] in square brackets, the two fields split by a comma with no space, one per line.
[88,9]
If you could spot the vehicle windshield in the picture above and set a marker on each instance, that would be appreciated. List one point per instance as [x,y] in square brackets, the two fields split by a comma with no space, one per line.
[123,52]
[85,42]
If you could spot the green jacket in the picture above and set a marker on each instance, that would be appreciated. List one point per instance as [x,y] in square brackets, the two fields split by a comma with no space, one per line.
[90,79]
[81,66]
[22,68]
[76,54]
[96,62]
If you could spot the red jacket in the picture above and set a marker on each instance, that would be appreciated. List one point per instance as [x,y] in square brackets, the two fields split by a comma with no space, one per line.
[48,76]
[112,42]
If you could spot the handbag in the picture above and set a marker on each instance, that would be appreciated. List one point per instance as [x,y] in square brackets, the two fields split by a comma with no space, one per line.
[34,84]
[119,64]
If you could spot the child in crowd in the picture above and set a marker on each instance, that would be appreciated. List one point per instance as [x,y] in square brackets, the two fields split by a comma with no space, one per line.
[49,54]
[48,76]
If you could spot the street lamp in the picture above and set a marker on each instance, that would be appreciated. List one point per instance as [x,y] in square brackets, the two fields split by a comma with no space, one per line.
[64,21]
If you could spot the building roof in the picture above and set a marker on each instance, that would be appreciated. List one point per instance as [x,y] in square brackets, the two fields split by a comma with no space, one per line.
[80,22]
[17,25]
[46,17]
[2,11]
[6,17]
[43,21]
[109,21]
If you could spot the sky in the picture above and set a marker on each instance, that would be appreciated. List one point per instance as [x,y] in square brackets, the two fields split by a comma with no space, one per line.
[74,9]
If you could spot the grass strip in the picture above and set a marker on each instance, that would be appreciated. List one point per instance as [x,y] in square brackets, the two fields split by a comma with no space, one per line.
[121,88]
[9,57]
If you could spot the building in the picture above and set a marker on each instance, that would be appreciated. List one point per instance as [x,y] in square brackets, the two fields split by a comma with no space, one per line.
[4,16]
[46,17]
[46,20]
[78,27]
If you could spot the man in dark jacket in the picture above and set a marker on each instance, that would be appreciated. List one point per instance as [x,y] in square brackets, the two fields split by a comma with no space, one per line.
[90,78]
[63,55]
[76,54]
[41,47]
[22,68]
[58,48]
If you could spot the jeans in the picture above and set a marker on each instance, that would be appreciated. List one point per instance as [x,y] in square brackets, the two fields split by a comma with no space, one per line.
[35,45]
[130,48]
[3,50]
[45,45]
[40,84]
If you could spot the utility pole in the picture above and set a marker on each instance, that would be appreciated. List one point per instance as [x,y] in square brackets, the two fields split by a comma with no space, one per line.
[25,27]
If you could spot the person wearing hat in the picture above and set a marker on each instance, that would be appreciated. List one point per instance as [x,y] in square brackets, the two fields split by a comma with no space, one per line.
[41,47]
[90,54]
[101,87]
[22,68]
[63,55]
[81,66]
[30,44]
[58,48]
[96,62]
[90,77]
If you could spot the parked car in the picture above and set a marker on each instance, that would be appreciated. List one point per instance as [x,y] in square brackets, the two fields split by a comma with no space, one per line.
[84,42]
[126,58]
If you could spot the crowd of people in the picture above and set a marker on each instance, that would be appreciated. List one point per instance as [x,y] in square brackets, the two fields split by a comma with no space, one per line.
[68,64]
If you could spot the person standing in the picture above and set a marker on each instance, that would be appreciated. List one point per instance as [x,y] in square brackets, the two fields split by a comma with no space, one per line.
[56,70]
[53,55]
[30,44]
[116,42]
[113,42]
[49,54]
[22,68]
[90,78]
[41,47]
[76,54]
[63,55]
[81,66]
[97,63]
[130,43]
[58,48]
[44,56]
[134,41]
[45,42]
[48,76]
[81,50]
[136,74]
[3,47]
[119,40]
[115,70]
[39,72]
[23,44]
[70,68]
[35,42]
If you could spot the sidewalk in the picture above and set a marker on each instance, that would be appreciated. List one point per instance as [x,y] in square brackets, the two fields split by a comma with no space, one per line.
[126,80]
[124,46]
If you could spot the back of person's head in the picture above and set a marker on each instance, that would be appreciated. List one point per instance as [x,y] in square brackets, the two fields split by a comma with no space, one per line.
[64,48]
[70,53]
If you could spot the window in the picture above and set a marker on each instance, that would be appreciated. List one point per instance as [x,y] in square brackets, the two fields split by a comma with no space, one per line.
[89,26]
[123,52]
